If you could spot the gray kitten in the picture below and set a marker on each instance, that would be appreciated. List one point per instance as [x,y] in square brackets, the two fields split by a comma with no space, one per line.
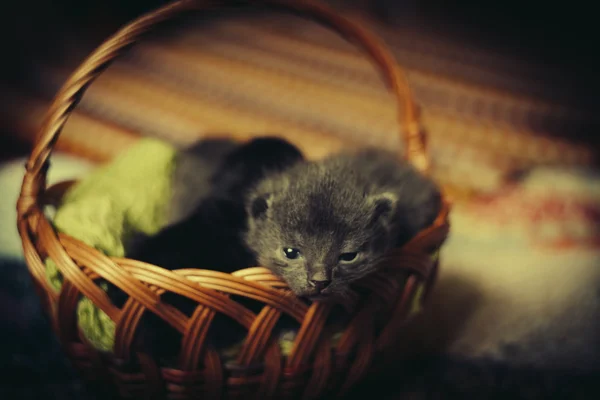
[323,225]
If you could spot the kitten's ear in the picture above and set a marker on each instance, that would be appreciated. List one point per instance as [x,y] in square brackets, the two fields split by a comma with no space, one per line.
[383,206]
[259,206]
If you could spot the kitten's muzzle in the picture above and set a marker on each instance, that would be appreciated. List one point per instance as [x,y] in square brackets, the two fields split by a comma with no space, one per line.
[319,280]
[319,285]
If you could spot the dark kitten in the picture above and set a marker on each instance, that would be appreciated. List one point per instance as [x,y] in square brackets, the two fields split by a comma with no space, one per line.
[206,222]
[209,235]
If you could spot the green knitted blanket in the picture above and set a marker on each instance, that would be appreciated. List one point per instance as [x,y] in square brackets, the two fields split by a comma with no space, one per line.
[130,194]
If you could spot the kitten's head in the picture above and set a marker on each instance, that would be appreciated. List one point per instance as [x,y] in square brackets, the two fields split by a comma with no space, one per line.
[319,235]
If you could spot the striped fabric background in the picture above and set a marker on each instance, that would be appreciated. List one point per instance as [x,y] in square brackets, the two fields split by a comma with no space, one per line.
[277,74]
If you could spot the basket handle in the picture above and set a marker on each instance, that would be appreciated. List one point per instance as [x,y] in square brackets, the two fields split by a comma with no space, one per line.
[73,89]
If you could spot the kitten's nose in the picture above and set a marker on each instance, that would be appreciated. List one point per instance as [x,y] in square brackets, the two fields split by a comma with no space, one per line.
[319,285]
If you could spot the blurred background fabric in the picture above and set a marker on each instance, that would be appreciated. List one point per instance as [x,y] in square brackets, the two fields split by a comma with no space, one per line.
[512,97]
[508,95]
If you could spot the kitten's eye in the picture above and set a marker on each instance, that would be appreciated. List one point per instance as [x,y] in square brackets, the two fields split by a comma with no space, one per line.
[290,253]
[348,257]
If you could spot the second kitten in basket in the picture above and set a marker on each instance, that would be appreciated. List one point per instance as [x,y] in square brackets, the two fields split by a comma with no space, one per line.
[207,210]
[206,220]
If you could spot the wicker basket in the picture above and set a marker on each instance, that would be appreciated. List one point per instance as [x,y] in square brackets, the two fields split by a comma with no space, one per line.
[313,367]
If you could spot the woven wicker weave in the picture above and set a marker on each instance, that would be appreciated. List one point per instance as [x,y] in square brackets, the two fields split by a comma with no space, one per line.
[313,367]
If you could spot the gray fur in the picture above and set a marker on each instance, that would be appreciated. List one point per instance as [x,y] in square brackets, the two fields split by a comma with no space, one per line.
[367,202]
